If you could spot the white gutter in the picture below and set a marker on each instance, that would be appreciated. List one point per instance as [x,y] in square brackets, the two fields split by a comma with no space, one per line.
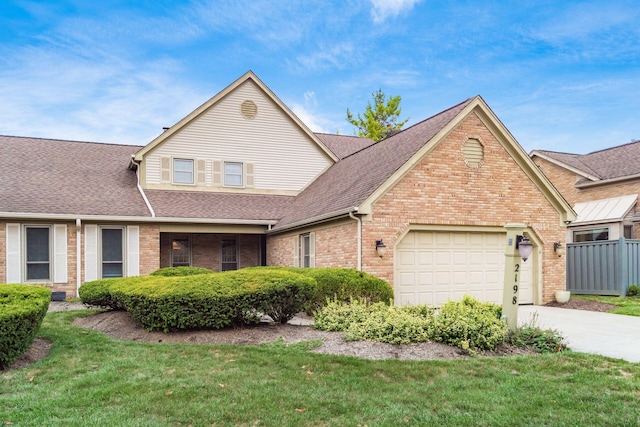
[315,220]
[607,181]
[144,196]
[78,255]
[358,239]
[116,218]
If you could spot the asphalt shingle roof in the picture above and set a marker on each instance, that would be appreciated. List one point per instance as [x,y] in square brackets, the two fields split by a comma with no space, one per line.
[200,204]
[344,145]
[67,177]
[349,182]
[614,162]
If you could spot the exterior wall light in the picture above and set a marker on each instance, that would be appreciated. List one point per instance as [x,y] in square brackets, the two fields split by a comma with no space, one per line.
[558,249]
[524,246]
[381,248]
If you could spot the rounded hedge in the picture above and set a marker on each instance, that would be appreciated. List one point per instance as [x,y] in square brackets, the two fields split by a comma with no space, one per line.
[181,271]
[22,309]
[341,284]
[212,301]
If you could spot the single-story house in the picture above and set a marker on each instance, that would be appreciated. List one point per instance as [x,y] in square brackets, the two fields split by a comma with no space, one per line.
[242,181]
[603,188]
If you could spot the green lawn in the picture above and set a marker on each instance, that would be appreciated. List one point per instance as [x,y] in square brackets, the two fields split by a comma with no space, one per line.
[92,380]
[628,305]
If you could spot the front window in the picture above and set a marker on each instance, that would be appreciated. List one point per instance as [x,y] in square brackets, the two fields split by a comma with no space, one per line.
[112,252]
[183,171]
[229,254]
[305,250]
[38,253]
[591,235]
[233,174]
[180,250]
[628,231]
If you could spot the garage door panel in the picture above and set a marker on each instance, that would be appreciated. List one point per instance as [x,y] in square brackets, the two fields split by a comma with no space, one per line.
[439,266]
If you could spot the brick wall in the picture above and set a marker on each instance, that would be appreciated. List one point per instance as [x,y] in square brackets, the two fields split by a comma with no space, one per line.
[443,190]
[564,180]
[206,248]
[149,249]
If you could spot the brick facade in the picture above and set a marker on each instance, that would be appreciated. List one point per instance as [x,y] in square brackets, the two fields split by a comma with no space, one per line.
[564,180]
[206,250]
[443,191]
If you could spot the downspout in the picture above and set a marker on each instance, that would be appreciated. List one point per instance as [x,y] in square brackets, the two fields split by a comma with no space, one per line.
[359,238]
[78,255]
[144,196]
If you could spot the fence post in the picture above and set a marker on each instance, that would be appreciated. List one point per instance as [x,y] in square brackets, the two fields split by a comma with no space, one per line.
[623,268]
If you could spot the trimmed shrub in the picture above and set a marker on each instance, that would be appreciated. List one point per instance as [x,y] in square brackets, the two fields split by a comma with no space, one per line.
[341,284]
[213,301]
[98,293]
[634,290]
[181,271]
[22,309]
[470,324]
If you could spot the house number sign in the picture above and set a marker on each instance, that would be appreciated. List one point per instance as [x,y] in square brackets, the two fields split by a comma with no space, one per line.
[514,300]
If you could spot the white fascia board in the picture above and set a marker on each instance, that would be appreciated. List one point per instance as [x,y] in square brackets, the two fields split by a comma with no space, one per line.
[115,218]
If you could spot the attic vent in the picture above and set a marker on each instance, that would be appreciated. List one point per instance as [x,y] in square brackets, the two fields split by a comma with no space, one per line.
[473,153]
[249,109]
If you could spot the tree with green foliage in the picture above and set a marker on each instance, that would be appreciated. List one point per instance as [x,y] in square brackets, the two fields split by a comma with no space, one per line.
[380,119]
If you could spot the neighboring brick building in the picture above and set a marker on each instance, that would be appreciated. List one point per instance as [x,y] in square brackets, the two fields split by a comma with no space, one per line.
[603,188]
[241,181]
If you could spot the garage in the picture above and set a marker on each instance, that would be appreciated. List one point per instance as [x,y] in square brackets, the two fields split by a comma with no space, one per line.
[436,266]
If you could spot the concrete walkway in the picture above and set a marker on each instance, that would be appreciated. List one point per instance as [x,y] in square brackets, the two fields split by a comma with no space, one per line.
[612,335]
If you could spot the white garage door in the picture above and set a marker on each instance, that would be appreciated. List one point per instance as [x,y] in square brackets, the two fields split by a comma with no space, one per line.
[433,267]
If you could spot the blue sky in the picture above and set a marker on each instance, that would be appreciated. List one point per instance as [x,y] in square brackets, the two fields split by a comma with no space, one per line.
[561,76]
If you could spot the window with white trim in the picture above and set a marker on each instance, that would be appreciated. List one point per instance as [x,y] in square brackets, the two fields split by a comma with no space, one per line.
[183,171]
[306,250]
[112,251]
[180,250]
[233,173]
[592,235]
[37,253]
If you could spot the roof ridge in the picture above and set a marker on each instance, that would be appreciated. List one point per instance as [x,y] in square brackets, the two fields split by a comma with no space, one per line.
[613,148]
[69,140]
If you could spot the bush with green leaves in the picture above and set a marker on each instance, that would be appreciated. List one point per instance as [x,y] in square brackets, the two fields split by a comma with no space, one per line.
[470,324]
[634,290]
[181,271]
[22,309]
[98,293]
[213,301]
[342,284]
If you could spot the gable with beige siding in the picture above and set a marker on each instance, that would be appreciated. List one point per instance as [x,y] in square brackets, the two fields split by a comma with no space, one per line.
[281,157]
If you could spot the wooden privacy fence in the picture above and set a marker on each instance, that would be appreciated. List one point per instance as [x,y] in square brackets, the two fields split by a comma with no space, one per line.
[604,267]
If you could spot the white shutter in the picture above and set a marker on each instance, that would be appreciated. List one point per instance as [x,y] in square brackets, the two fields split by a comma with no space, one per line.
[14,264]
[312,250]
[165,170]
[90,252]
[133,250]
[296,251]
[60,253]
[217,173]
[249,175]
[201,172]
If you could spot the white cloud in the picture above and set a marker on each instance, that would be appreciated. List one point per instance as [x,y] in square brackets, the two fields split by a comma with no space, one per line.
[383,9]
[339,56]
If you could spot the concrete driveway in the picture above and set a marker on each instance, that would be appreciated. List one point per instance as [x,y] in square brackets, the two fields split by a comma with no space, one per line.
[612,335]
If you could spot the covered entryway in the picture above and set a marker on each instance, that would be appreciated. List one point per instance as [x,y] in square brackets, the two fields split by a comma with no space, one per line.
[433,267]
